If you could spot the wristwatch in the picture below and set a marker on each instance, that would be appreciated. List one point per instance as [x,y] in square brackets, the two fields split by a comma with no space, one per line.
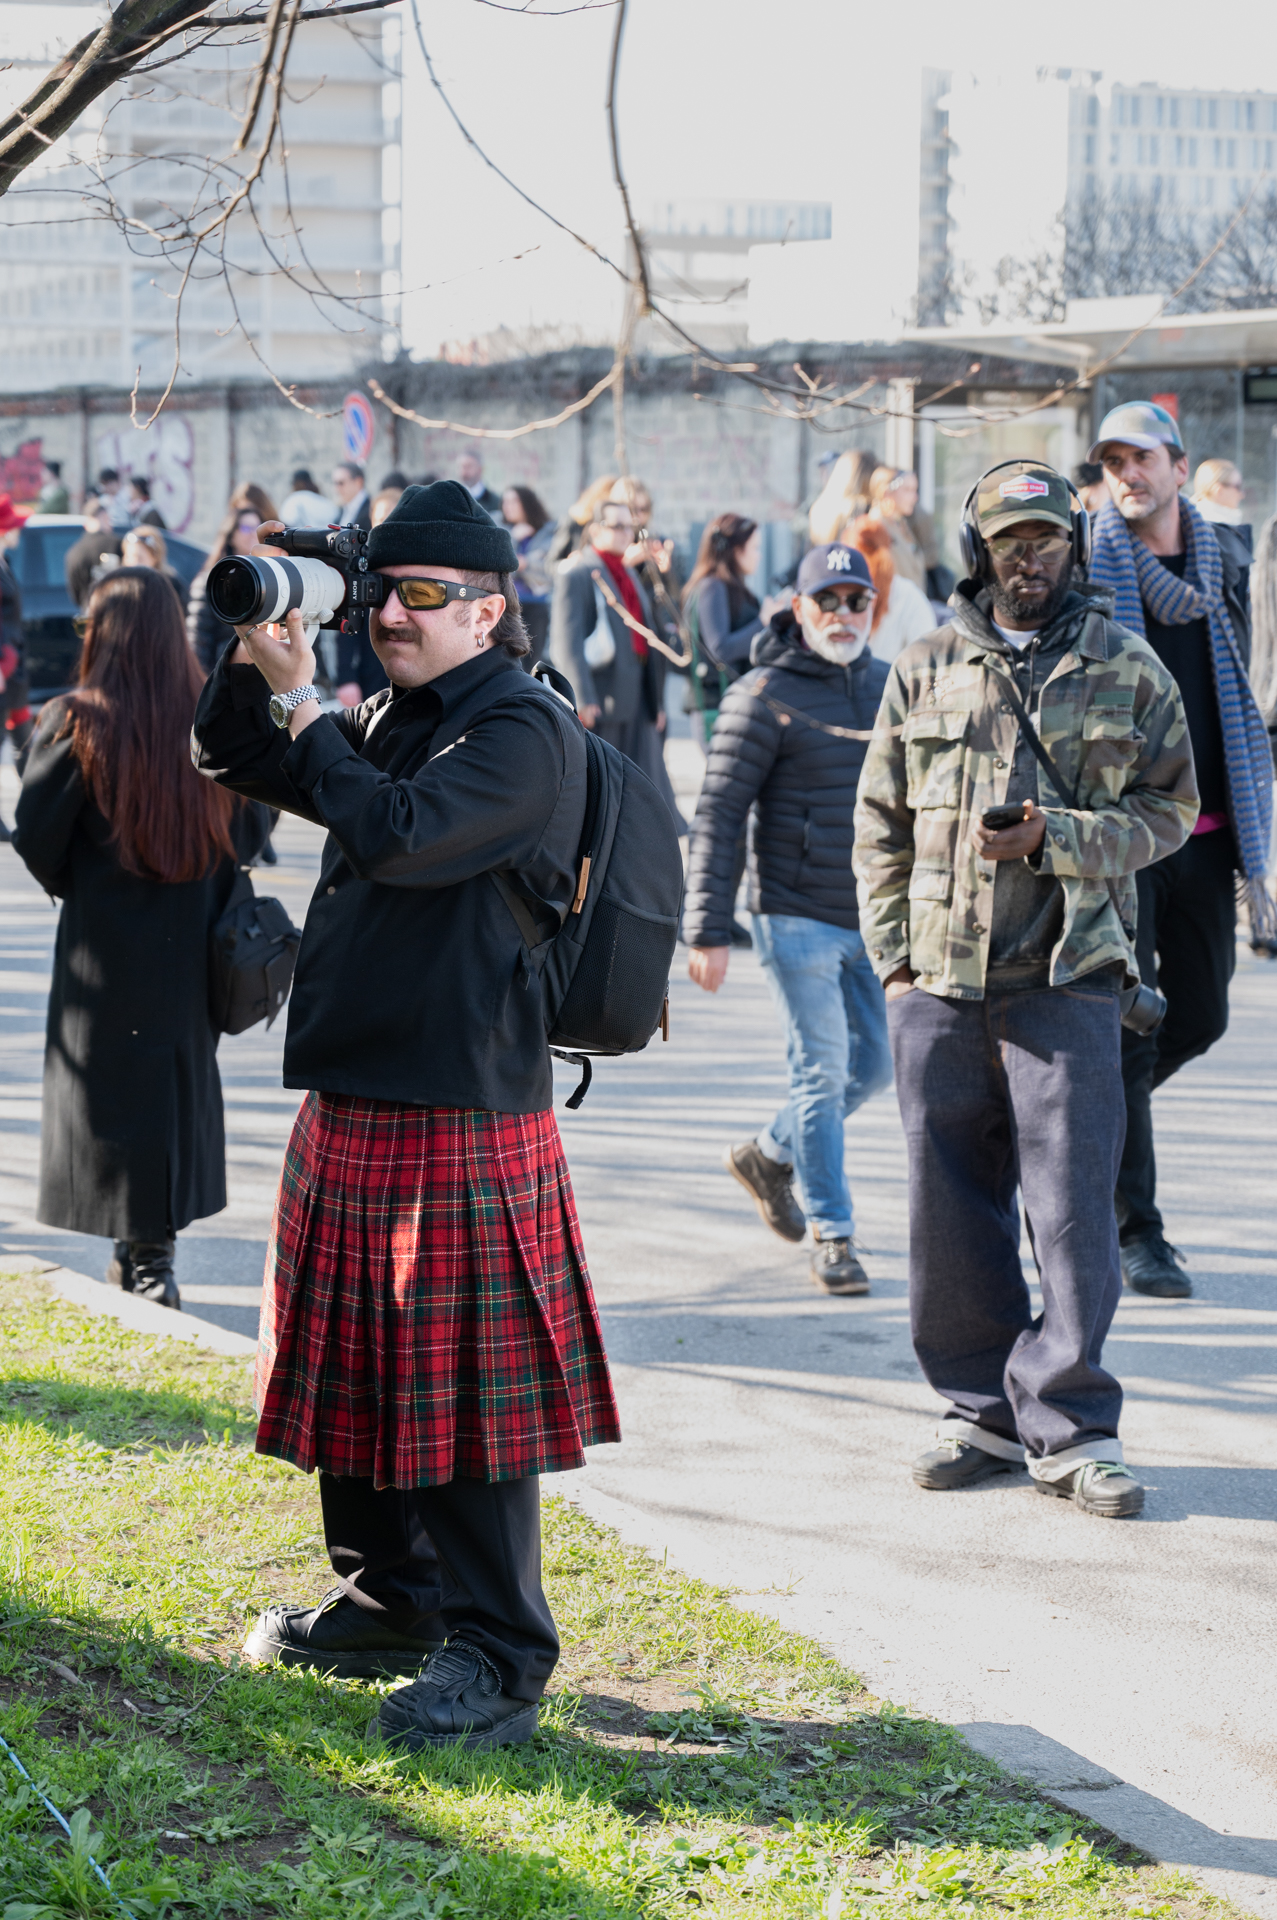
[282,704]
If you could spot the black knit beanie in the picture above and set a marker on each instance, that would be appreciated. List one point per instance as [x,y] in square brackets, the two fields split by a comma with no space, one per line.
[441,526]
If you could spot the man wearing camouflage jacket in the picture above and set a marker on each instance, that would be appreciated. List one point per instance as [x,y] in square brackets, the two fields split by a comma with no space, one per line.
[1004,954]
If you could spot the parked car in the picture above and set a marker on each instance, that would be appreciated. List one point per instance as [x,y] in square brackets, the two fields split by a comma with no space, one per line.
[38,562]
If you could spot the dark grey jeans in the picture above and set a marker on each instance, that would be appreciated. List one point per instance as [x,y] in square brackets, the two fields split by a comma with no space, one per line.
[1018,1089]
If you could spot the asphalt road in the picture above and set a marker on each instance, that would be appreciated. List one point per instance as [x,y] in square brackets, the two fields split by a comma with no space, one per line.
[769,1429]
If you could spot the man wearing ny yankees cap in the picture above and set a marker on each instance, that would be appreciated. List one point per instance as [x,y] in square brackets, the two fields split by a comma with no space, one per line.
[1004,951]
[786,751]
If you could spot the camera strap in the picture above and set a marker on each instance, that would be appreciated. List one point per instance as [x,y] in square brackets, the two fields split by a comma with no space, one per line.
[1063,787]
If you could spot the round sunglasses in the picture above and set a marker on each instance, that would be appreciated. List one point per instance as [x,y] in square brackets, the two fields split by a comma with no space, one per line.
[829,600]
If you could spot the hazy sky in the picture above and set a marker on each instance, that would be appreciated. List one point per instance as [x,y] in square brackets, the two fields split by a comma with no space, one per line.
[810,100]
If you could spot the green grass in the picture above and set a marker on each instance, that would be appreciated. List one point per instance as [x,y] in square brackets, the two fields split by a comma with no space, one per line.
[692,1756]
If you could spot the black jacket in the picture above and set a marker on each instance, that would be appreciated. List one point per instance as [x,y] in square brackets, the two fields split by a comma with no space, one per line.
[768,747]
[132,1143]
[412,983]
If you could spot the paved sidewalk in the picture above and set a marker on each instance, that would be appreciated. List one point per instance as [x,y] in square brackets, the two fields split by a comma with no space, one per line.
[769,1428]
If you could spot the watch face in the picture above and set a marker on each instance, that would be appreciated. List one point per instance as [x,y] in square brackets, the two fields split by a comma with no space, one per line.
[278,711]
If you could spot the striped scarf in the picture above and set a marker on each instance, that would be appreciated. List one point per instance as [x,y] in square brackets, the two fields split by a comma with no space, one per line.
[1138,579]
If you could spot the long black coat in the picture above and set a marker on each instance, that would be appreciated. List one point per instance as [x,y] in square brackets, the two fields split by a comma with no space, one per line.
[132,1143]
[801,779]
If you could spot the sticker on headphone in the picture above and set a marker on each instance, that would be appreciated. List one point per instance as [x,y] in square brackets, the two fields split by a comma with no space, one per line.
[1023,487]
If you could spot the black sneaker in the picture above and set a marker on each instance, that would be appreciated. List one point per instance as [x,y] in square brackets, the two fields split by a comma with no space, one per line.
[1101,1487]
[959,1463]
[1149,1266]
[835,1268]
[336,1637]
[769,1185]
[458,1697]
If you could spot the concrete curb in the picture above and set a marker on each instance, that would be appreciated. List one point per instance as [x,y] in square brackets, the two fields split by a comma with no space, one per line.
[143,1316]
[1232,1866]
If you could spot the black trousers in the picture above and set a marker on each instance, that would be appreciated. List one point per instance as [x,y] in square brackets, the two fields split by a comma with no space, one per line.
[1186,943]
[461,1560]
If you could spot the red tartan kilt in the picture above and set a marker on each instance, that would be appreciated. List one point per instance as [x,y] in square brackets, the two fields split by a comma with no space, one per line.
[427,1314]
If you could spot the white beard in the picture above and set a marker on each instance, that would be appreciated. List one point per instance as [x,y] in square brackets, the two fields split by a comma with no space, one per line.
[840,652]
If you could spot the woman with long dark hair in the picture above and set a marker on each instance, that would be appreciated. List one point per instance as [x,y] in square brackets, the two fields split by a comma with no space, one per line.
[723,614]
[142,851]
[207,633]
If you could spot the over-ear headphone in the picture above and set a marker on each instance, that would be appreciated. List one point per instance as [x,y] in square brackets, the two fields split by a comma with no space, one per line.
[971,542]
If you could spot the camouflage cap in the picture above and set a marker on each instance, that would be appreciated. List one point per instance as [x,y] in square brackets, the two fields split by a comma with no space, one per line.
[1021,490]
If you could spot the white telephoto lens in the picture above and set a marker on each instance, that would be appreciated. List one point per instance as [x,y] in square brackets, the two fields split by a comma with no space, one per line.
[248,590]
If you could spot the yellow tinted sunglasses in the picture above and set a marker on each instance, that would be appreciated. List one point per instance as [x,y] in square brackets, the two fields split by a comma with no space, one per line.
[424,596]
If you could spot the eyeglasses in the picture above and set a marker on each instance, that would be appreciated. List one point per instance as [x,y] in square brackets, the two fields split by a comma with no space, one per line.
[81,624]
[830,600]
[424,596]
[1047,546]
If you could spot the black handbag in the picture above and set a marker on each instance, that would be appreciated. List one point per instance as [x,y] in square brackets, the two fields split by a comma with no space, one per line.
[251,956]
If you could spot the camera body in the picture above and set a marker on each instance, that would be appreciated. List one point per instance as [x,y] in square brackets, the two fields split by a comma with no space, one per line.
[326,572]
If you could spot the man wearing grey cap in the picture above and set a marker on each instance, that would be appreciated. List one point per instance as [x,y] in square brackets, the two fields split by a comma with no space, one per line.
[1175,587]
[787,748]
[995,901]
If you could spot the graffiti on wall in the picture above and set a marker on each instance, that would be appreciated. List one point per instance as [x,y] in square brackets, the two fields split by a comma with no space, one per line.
[165,456]
[20,475]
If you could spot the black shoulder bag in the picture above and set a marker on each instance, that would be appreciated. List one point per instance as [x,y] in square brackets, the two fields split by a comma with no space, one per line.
[1143,1008]
[252,951]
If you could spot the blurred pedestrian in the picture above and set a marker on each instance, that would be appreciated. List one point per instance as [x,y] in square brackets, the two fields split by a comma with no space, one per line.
[98,542]
[902,613]
[532,530]
[145,547]
[789,744]
[842,499]
[208,633]
[893,497]
[1178,586]
[1088,478]
[54,497]
[249,494]
[115,499]
[354,509]
[142,512]
[723,613]
[618,679]
[470,474]
[13,676]
[305,506]
[573,527]
[653,560]
[142,851]
[1218,492]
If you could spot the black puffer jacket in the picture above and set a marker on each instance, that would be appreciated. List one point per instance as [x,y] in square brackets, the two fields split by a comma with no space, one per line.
[770,745]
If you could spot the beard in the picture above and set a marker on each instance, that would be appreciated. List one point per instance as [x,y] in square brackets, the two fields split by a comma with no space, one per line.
[1010,605]
[840,652]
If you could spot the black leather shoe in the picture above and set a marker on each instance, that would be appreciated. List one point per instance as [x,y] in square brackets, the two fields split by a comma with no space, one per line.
[337,1637]
[770,1187]
[1149,1266]
[957,1463]
[835,1268]
[1101,1487]
[151,1269]
[458,1697]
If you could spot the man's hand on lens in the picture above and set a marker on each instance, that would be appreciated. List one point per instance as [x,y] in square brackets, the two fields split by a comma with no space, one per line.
[1010,843]
[285,659]
[268,526]
[899,982]
[707,966]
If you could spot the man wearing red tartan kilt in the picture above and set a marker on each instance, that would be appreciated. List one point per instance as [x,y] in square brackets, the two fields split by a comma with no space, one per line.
[429,1340]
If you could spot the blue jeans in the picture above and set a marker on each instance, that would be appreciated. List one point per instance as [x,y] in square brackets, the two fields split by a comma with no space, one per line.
[836,1036]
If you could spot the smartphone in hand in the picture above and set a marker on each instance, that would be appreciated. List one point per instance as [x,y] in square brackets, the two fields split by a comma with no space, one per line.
[998,818]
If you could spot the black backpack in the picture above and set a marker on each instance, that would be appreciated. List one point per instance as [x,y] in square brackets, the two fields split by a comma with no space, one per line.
[251,955]
[605,968]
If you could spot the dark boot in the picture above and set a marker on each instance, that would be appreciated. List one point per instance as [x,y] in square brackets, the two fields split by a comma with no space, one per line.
[339,1637]
[153,1279]
[119,1273]
[458,1697]
[769,1185]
